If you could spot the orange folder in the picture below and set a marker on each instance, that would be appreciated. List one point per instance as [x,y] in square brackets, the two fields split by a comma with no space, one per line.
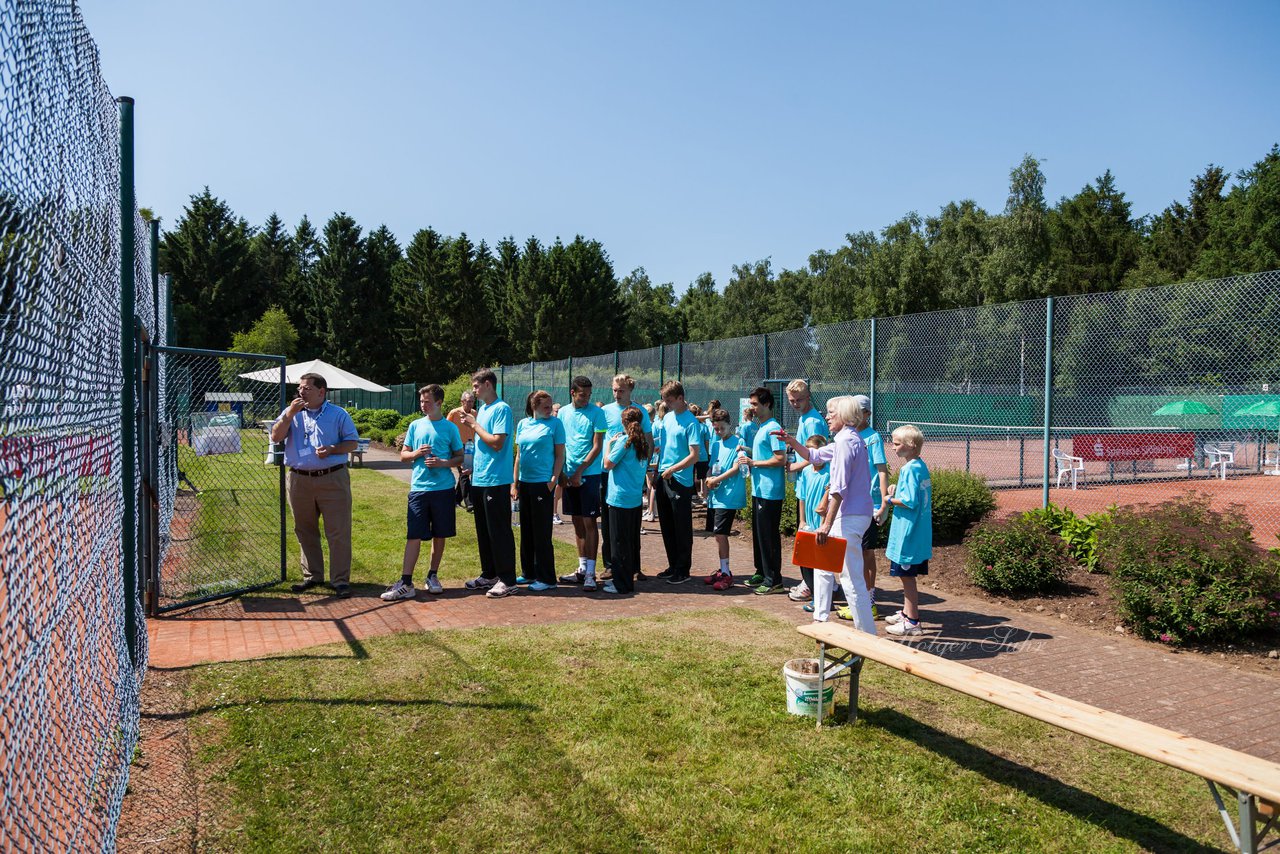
[828,557]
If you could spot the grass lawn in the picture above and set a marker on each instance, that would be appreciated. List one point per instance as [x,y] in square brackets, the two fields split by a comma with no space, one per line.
[656,734]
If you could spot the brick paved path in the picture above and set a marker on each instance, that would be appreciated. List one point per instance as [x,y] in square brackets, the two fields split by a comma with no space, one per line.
[1186,693]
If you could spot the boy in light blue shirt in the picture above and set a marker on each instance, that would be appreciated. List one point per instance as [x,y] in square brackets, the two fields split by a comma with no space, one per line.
[585,426]
[680,440]
[434,446]
[911,533]
[767,461]
[726,492]
[491,487]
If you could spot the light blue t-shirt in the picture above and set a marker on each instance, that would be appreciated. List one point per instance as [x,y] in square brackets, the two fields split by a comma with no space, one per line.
[580,429]
[445,441]
[747,432]
[732,493]
[811,424]
[911,533]
[493,468]
[613,420]
[704,440]
[537,439]
[657,442]
[875,457]
[810,487]
[626,478]
[679,433]
[771,483]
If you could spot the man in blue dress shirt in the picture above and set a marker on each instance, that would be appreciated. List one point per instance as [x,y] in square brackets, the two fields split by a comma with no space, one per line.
[318,436]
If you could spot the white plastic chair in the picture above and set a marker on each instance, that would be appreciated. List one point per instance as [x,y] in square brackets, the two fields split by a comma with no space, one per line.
[1068,465]
[1220,456]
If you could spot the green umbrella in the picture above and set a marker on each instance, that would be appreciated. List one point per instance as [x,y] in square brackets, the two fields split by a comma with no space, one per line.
[1265,409]
[1185,407]
[1262,408]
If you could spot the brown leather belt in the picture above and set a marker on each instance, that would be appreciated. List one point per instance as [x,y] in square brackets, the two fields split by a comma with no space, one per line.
[319,472]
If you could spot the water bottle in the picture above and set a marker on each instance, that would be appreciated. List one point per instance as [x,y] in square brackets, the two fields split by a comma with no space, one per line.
[515,513]
[791,460]
[743,468]
[468,454]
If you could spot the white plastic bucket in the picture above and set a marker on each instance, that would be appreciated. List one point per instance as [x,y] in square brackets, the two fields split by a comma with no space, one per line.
[802,690]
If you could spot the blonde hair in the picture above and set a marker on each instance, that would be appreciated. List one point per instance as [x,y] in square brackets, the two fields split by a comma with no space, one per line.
[909,434]
[798,387]
[625,381]
[817,440]
[846,408]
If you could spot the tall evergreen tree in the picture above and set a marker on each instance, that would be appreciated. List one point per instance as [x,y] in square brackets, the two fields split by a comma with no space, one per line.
[1018,266]
[702,311]
[376,305]
[1244,230]
[651,314]
[216,288]
[1093,238]
[338,282]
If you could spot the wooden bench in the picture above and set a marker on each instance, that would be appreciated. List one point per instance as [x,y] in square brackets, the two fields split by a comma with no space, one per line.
[362,445]
[1254,782]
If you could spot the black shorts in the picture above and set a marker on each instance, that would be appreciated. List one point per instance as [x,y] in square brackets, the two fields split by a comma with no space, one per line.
[910,570]
[871,537]
[722,521]
[583,500]
[700,470]
[431,514]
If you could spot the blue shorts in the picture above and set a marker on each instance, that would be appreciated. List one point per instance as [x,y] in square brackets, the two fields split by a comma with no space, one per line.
[583,500]
[431,514]
[911,570]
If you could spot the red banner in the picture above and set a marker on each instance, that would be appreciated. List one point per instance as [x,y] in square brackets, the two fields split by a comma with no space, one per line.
[1114,447]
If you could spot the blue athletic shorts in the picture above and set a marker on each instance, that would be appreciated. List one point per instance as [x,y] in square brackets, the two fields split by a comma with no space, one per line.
[911,570]
[431,514]
[583,500]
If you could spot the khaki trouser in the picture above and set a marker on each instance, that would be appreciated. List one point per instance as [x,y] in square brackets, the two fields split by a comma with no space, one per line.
[311,498]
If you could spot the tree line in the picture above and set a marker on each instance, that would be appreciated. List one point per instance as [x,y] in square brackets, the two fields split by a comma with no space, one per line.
[443,304]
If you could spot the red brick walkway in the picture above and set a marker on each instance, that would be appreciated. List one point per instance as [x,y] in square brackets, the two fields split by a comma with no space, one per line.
[1187,693]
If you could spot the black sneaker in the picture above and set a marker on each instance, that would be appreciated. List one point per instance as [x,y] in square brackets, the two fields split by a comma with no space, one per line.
[677,579]
[666,573]
[342,591]
[304,585]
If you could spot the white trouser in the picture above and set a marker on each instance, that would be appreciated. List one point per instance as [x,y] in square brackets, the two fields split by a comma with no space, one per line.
[851,528]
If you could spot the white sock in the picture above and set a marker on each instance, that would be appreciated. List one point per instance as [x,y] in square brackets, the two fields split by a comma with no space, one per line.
[724,565]
[582,564]
[590,567]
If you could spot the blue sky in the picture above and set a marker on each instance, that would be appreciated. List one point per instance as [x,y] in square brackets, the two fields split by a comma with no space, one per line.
[685,137]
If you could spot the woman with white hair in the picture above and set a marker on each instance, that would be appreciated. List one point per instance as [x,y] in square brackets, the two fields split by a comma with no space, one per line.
[848,508]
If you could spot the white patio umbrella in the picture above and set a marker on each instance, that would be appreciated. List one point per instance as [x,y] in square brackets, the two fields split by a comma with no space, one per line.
[334,376]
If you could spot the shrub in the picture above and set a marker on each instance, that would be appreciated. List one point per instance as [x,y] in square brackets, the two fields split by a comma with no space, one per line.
[453,391]
[367,420]
[1185,572]
[1017,555]
[1078,533]
[960,499]
[790,512]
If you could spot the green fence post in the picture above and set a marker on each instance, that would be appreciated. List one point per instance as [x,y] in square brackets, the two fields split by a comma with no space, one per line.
[767,374]
[662,366]
[569,382]
[680,362]
[502,381]
[128,365]
[616,364]
[871,384]
[1048,393]
[155,276]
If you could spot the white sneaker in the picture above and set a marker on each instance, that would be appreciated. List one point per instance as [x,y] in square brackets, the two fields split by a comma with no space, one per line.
[905,628]
[556,520]
[649,517]
[434,585]
[800,593]
[499,590]
[398,591]
[895,618]
[589,583]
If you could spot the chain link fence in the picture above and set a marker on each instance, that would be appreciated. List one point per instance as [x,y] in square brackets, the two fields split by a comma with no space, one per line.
[73,654]
[226,532]
[1150,393]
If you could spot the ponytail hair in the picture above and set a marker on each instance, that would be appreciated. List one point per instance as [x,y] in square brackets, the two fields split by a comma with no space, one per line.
[636,437]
